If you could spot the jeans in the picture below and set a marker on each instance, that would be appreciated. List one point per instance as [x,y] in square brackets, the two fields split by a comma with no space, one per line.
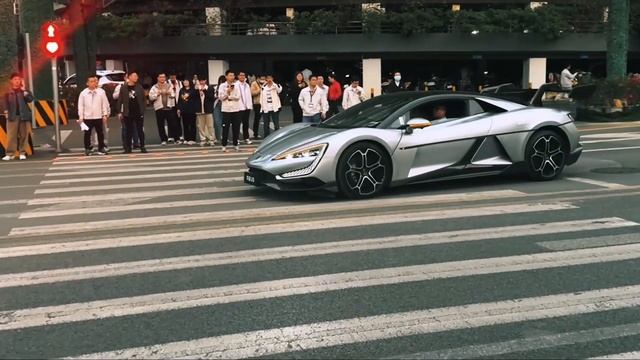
[217,120]
[267,118]
[313,119]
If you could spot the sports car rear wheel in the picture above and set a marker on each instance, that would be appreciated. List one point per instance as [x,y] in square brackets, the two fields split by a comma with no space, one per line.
[364,170]
[546,155]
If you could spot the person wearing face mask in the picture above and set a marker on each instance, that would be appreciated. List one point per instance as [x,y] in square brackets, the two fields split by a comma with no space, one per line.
[396,85]
[256,90]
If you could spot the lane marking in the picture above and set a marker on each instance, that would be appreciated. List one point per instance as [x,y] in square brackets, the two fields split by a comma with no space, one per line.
[230,232]
[610,140]
[77,152]
[590,242]
[257,213]
[612,149]
[103,179]
[604,184]
[530,343]
[138,185]
[147,163]
[102,209]
[135,195]
[621,126]
[14,202]
[387,326]
[633,355]
[123,170]
[297,251]
[109,160]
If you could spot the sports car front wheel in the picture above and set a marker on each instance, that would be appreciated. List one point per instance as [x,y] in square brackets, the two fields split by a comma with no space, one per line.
[364,170]
[546,155]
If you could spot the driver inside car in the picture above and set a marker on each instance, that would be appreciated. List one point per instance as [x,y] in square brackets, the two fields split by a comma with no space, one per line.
[439,113]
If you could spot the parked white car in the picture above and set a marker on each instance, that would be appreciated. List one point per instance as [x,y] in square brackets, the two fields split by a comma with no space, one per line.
[105,77]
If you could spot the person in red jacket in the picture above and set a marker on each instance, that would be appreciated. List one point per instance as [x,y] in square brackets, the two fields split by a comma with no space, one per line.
[335,95]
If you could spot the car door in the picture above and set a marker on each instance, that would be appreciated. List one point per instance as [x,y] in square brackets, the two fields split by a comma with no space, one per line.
[443,144]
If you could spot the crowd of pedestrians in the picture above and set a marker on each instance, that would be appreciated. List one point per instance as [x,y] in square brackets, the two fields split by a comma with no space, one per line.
[186,112]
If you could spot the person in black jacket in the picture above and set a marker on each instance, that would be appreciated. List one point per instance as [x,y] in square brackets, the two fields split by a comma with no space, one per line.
[187,109]
[204,119]
[396,84]
[131,107]
[296,87]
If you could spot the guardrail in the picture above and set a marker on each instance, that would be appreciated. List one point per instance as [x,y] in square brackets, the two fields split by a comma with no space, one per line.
[275,28]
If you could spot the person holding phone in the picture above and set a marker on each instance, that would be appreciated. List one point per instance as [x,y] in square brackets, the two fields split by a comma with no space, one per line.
[187,109]
[14,106]
[229,95]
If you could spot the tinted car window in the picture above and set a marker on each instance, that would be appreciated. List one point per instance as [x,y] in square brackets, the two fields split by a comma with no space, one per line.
[115,77]
[369,113]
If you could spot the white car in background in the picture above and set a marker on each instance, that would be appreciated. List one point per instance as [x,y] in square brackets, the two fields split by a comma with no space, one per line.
[108,78]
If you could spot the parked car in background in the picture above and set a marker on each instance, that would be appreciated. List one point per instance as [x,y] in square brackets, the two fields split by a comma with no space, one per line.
[108,80]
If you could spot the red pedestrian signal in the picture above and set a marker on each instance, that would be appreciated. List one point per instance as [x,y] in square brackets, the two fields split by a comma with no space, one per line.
[51,40]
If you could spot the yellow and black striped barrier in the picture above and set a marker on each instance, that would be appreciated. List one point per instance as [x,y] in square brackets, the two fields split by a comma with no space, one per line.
[43,110]
[4,139]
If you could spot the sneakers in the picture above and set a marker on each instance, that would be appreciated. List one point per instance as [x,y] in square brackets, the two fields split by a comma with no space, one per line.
[87,152]
[171,141]
[224,149]
[164,143]
[191,142]
[136,147]
[106,150]
[248,141]
[236,148]
[203,144]
[23,157]
[8,158]
[127,151]
[143,150]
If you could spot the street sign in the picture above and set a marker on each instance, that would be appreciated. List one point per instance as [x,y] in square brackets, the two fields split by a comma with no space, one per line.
[51,40]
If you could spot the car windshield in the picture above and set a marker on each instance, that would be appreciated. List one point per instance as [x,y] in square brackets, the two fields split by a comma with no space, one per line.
[369,113]
[116,77]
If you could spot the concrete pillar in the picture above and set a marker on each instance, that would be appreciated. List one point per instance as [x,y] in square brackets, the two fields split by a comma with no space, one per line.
[214,21]
[69,68]
[372,76]
[534,73]
[114,65]
[217,68]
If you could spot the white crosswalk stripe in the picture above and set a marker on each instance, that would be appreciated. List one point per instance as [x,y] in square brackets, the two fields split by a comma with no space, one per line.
[88,249]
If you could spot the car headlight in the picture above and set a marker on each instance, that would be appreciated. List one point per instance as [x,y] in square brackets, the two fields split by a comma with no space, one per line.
[313,151]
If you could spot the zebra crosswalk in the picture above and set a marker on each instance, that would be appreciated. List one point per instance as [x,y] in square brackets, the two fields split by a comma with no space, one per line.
[171,256]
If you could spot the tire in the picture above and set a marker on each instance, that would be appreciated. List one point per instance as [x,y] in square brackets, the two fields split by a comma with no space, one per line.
[363,171]
[546,155]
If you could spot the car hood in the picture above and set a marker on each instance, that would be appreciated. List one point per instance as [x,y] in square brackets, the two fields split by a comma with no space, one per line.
[292,137]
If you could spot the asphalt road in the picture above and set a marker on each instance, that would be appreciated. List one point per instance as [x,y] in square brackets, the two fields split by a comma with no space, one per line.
[168,254]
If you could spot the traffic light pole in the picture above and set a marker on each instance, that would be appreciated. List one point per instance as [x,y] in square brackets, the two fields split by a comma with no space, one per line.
[56,105]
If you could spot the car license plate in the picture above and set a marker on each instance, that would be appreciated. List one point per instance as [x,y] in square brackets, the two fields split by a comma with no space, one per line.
[250,179]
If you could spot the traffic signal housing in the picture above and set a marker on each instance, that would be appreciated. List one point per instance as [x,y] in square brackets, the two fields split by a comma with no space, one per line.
[51,40]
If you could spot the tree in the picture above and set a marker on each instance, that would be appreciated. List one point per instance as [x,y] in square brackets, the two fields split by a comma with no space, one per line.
[8,36]
[618,39]
[82,25]
[34,14]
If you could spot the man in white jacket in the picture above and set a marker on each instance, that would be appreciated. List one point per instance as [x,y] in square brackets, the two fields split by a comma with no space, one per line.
[313,102]
[566,78]
[270,105]
[353,95]
[164,101]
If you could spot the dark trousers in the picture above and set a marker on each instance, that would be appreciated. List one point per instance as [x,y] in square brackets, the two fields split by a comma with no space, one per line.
[244,118]
[257,116]
[231,120]
[267,118]
[135,137]
[297,111]
[333,107]
[169,118]
[189,126]
[132,124]
[94,124]
[177,131]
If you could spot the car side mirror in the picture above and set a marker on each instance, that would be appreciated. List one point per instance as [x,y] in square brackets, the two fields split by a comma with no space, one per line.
[417,123]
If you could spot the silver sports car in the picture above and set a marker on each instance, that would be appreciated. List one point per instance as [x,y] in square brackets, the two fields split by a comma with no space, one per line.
[412,137]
